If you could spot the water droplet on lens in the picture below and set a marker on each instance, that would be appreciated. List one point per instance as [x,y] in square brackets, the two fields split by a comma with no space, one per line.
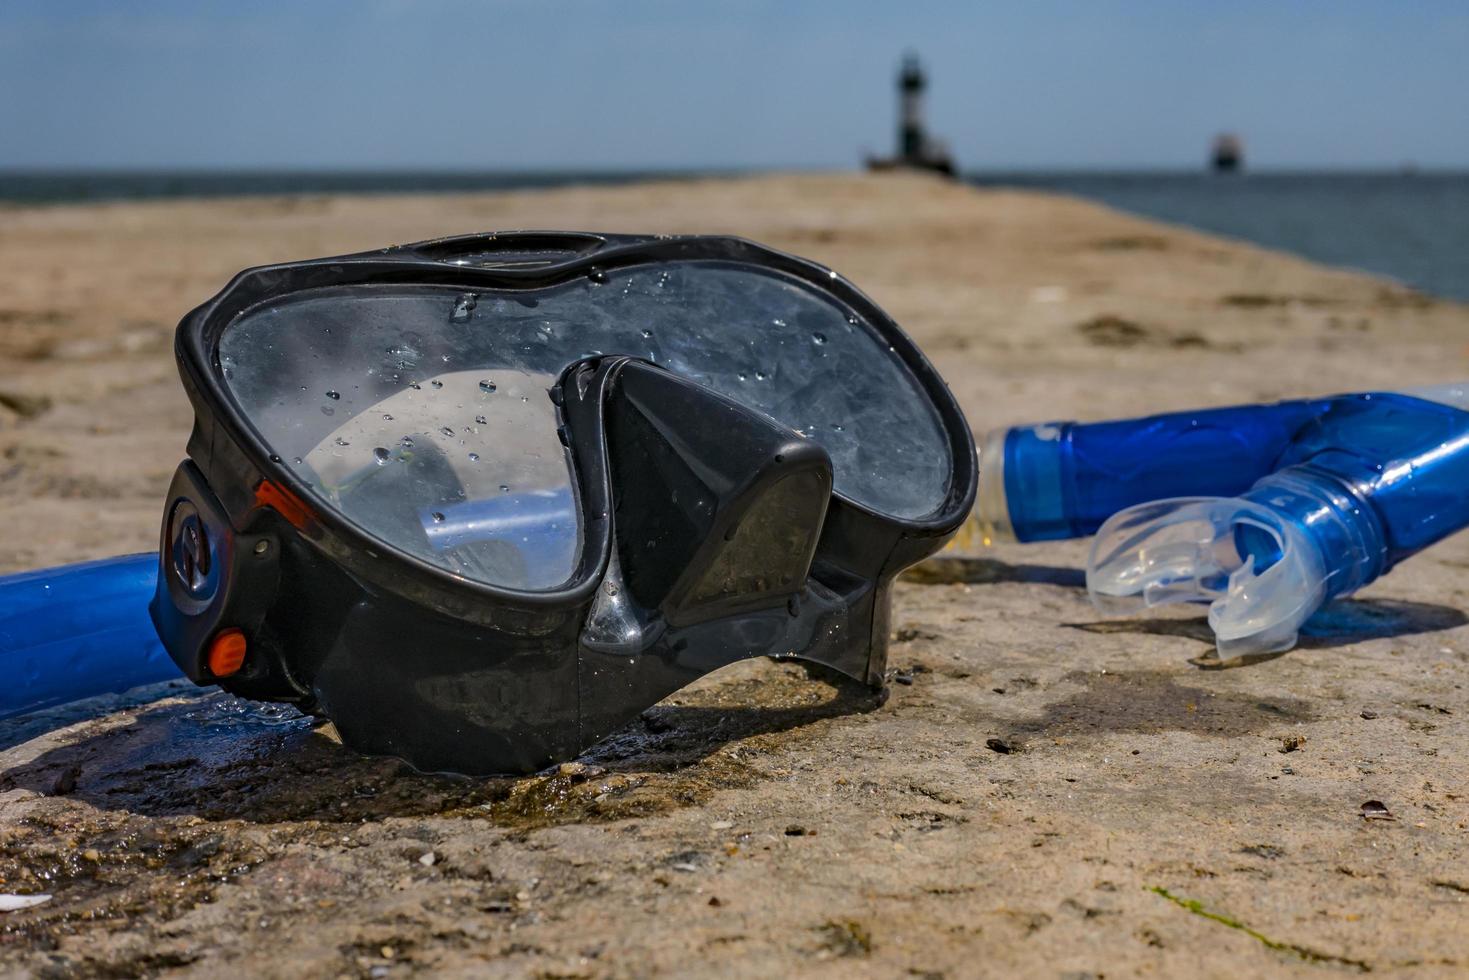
[777,322]
[463,308]
[406,442]
[415,386]
[382,455]
[446,430]
[596,275]
[504,488]
[297,460]
[819,338]
[647,334]
[487,385]
[438,517]
[437,383]
[760,375]
[387,417]
[328,410]
[474,457]
[274,458]
[482,420]
[342,442]
[837,427]
[743,376]
[333,395]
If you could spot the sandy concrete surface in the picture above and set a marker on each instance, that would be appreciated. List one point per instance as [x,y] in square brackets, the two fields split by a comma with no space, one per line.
[1042,793]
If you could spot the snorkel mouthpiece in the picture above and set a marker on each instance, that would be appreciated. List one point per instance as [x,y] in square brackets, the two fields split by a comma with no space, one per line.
[1263,562]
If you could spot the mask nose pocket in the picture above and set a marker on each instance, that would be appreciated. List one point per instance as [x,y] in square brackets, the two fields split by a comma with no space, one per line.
[717,508]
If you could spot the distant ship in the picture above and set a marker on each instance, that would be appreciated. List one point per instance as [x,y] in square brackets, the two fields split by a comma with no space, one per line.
[1228,154]
[916,149]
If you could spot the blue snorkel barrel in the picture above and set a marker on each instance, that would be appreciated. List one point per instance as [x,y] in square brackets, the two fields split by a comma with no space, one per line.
[78,631]
[1064,479]
[1061,480]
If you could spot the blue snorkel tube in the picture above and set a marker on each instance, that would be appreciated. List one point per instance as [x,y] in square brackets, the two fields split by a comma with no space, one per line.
[1265,512]
[78,631]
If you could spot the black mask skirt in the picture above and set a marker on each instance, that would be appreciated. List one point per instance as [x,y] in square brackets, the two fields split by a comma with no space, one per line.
[481,501]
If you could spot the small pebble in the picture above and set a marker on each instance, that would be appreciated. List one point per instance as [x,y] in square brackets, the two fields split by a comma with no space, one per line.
[91,854]
[1369,714]
[67,781]
[1000,745]
[428,859]
[721,825]
[1376,810]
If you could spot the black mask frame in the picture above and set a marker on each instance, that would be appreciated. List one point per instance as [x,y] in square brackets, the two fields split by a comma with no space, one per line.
[451,674]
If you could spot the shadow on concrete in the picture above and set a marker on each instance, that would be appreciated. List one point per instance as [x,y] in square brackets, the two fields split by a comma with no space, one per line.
[944,570]
[223,758]
[1339,624]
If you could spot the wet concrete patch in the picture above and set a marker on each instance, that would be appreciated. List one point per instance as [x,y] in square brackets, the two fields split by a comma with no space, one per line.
[1147,701]
[222,758]
[111,868]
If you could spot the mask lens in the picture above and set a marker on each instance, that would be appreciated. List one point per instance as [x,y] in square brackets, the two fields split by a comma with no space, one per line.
[422,413]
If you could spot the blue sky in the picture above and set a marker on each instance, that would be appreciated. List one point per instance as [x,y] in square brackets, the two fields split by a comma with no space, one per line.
[512,84]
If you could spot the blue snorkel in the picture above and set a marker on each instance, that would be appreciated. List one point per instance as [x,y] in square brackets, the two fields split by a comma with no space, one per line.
[79,631]
[1265,512]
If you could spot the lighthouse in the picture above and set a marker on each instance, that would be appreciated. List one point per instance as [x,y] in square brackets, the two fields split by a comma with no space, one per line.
[911,83]
[916,150]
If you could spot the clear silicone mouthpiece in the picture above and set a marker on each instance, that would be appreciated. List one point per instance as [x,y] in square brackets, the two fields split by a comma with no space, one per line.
[1261,574]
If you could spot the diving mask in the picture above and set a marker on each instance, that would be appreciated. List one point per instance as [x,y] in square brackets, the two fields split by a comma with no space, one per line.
[481,501]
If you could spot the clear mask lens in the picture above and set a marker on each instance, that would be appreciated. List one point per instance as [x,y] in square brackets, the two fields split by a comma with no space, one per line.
[422,413]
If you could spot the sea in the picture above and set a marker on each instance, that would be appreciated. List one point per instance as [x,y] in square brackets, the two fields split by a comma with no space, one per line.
[1409,226]
[1412,227]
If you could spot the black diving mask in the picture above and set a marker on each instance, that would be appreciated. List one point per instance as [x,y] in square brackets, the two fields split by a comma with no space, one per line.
[481,501]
